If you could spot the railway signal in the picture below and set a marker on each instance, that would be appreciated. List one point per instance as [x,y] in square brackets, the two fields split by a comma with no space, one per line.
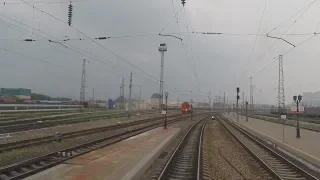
[165,115]
[247,111]
[297,101]
[238,97]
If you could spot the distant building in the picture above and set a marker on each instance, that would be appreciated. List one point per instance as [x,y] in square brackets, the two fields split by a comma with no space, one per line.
[19,93]
[310,99]
[154,99]
[307,98]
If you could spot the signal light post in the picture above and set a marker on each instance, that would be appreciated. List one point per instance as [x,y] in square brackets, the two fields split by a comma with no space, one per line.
[297,101]
[247,111]
[238,97]
[165,115]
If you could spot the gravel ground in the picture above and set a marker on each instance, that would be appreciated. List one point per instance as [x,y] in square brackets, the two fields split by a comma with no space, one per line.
[225,158]
[19,136]
[18,155]
[154,171]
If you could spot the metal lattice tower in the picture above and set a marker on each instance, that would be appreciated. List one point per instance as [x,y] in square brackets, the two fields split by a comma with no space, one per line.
[281,97]
[162,48]
[83,83]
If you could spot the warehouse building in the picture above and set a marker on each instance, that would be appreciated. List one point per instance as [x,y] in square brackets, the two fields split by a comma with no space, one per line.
[19,93]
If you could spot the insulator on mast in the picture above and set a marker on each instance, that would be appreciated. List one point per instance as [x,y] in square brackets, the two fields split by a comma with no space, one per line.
[183,2]
[70,7]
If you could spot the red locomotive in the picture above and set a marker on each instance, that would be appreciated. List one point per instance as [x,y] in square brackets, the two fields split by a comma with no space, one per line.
[186,108]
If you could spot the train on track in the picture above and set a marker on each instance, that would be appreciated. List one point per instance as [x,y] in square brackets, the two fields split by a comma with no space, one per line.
[186,108]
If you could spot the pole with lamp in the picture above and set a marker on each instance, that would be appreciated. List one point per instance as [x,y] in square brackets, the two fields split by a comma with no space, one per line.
[297,101]
[165,115]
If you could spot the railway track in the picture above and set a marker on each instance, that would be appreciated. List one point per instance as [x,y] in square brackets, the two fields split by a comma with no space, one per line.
[185,162]
[38,123]
[277,165]
[314,120]
[48,139]
[26,168]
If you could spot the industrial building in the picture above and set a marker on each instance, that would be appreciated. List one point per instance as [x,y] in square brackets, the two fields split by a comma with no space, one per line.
[18,93]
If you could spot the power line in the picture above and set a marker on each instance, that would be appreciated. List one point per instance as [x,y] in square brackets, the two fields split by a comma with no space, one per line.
[192,57]
[191,61]
[91,39]
[305,9]
[109,63]
[29,57]
[275,58]
[167,34]
[189,21]
[307,6]
[255,41]
[175,14]
[177,19]
[45,2]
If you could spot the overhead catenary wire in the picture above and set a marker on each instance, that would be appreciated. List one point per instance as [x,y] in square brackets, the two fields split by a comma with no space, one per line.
[175,14]
[192,53]
[93,40]
[305,7]
[189,21]
[177,22]
[256,38]
[288,51]
[109,63]
[30,40]
[29,57]
[305,10]
[255,41]
[78,51]
[44,2]
[49,40]
[171,33]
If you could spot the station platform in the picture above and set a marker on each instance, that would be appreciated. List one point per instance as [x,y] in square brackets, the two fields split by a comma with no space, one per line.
[125,160]
[306,149]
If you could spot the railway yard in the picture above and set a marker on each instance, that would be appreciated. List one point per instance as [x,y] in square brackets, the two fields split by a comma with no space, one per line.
[109,145]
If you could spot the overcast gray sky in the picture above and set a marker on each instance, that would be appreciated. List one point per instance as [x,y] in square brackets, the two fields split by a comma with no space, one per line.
[222,61]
